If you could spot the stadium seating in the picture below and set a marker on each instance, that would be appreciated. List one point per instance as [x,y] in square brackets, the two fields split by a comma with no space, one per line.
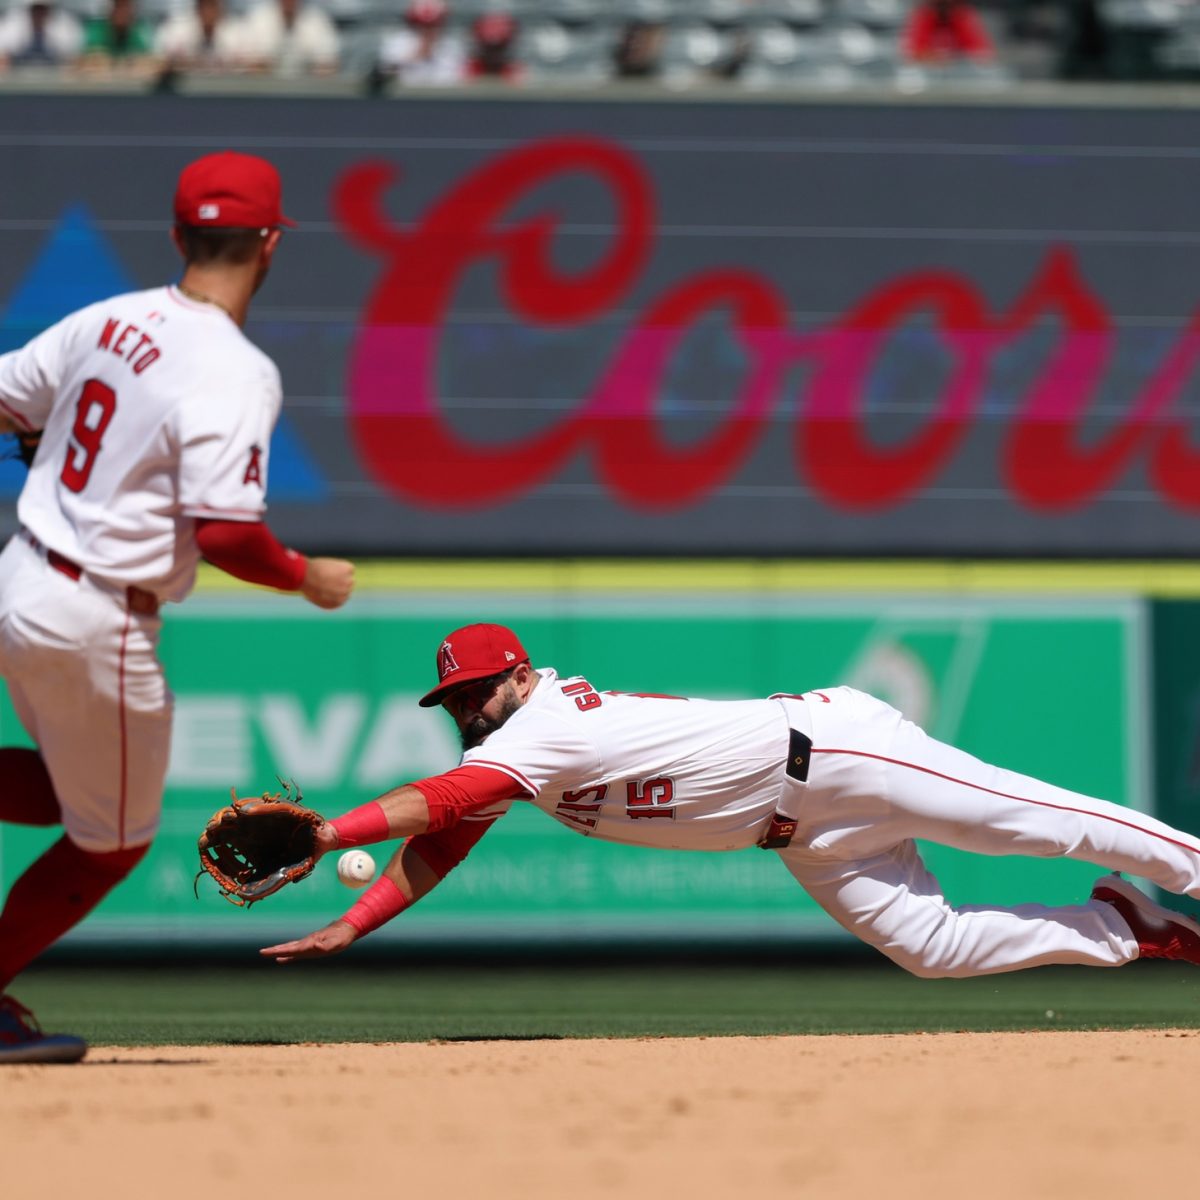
[754,44]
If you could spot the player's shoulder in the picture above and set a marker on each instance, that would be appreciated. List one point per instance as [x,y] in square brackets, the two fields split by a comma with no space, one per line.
[148,310]
[140,302]
[240,356]
[559,699]
[214,345]
[229,378]
[261,362]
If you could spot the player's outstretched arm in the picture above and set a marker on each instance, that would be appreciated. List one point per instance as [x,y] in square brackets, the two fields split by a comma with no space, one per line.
[406,873]
[328,582]
[398,813]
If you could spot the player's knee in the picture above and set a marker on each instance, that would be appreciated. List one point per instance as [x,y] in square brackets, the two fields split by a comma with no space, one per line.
[28,796]
[925,962]
[922,969]
[112,864]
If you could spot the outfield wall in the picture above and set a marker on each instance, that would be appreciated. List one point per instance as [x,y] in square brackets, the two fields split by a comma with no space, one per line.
[612,326]
[266,685]
[587,327]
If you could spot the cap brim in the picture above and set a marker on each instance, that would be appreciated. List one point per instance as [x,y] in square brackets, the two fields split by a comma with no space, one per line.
[287,221]
[438,694]
[461,679]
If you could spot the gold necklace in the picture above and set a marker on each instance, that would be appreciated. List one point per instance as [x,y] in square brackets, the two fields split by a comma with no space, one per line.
[202,299]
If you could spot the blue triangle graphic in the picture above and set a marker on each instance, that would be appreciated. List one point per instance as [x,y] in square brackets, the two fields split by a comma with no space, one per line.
[291,477]
[77,267]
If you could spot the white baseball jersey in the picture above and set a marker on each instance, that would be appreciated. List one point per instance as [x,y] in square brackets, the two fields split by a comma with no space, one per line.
[707,775]
[156,408]
[649,770]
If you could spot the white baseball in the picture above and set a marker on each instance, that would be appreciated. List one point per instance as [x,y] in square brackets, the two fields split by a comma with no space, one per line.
[356,868]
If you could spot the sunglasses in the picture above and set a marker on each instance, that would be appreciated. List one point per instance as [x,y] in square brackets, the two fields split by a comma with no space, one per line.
[478,691]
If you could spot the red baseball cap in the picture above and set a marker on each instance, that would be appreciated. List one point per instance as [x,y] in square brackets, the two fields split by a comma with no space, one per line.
[229,191]
[494,28]
[426,12]
[470,653]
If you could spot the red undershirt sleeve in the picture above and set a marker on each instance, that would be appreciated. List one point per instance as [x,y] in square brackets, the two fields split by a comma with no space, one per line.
[249,550]
[441,852]
[468,789]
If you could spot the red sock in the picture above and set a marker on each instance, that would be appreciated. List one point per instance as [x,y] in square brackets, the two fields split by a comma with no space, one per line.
[27,796]
[55,894]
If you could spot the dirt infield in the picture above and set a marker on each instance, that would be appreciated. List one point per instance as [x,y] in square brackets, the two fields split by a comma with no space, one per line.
[1051,1114]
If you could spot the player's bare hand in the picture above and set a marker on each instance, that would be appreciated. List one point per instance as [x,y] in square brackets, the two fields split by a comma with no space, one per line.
[333,939]
[328,582]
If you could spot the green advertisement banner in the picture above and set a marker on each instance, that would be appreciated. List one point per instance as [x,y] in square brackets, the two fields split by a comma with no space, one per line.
[266,686]
[1175,632]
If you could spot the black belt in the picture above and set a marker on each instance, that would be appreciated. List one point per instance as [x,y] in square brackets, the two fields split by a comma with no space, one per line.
[782,828]
[140,601]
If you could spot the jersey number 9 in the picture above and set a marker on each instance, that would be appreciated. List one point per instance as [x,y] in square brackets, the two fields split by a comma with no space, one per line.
[93,411]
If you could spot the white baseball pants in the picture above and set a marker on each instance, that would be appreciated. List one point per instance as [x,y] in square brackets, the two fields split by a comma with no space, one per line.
[83,674]
[877,781]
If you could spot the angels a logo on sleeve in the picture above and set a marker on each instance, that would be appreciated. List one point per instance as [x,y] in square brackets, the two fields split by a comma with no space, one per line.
[254,467]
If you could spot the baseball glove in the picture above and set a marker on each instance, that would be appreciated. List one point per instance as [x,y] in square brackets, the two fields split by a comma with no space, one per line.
[253,847]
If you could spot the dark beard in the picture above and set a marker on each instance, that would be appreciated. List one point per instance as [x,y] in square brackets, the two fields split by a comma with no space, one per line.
[476,732]
[481,727]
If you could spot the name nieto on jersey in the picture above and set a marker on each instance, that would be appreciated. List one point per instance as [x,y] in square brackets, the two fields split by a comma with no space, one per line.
[131,344]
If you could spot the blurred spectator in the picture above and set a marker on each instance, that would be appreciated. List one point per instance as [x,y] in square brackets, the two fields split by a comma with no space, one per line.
[119,42]
[291,37]
[734,56]
[1085,49]
[421,53]
[944,30]
[638,54]
[39,34]
[204,39]
[493,37]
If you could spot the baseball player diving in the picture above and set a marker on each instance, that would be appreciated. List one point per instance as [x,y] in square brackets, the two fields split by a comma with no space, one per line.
[155,414]
[836,782]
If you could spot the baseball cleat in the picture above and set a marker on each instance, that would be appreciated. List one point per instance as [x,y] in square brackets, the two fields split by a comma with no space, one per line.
[22,1039]
[1160,932]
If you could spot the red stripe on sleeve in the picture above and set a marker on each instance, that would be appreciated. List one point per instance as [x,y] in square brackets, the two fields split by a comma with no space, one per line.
[17,417]
[512,772]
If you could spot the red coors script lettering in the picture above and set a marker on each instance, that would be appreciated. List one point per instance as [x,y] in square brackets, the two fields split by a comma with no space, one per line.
[409,449]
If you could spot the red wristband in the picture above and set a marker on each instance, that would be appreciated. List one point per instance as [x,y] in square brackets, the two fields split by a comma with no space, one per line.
[382,901]
[361,826]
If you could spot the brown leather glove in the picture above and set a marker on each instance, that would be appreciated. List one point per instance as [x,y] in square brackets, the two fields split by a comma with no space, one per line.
[254,846]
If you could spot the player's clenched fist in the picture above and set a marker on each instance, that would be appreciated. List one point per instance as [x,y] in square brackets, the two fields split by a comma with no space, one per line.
[328,582]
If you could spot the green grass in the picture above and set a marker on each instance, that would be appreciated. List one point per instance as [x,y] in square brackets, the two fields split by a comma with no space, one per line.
[331,1003]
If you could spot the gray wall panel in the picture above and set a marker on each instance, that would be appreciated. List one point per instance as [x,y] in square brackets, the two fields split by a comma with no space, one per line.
[824,206]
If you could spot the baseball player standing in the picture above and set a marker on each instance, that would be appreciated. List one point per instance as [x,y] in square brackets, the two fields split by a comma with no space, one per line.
[837,782]
[156,415]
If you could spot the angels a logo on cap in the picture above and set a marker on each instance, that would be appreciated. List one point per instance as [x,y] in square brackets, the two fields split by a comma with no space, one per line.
[446,662]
